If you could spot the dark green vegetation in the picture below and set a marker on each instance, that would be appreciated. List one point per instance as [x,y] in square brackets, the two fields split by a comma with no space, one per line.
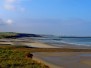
[16,35]
[7,34]
[10,58]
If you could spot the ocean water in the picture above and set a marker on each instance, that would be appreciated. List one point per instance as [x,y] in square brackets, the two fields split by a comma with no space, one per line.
[77,41]
[57,41]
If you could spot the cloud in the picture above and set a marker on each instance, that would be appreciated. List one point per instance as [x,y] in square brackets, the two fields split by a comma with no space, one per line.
[9,4]
[6,22]
[9,7]
[13,5]
[9,22]
[10,1]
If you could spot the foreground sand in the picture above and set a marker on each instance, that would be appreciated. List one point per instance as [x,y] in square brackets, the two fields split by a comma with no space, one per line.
[47,63]
[65,59]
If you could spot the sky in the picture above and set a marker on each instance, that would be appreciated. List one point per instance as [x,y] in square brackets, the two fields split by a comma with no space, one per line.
[54,17]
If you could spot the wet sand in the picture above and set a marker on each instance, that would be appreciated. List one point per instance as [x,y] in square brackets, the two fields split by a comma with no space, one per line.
[65,59]
[47,63]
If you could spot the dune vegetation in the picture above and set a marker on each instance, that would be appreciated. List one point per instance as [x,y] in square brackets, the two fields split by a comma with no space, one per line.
[10,58]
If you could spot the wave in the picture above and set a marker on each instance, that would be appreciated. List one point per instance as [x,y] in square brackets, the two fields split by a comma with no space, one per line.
[64,42]
[76,42]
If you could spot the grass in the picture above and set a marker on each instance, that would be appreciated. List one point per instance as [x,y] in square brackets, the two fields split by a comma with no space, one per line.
[10,58]
[7,34]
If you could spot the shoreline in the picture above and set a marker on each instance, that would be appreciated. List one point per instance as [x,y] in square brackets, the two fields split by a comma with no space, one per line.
[65,43]
[46,63]
[38,44]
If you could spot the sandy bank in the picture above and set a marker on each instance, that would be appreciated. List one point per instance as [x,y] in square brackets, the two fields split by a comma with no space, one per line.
[46,63]
[40,45]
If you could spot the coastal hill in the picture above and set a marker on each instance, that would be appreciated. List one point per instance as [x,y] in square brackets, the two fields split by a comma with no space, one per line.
[16,35]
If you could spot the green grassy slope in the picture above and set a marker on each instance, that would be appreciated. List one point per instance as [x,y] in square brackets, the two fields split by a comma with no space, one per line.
[17,59]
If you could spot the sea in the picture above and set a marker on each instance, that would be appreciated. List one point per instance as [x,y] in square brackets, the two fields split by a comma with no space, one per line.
[57,41]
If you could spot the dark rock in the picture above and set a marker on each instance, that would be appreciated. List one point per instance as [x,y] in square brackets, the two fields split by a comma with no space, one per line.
[29,55]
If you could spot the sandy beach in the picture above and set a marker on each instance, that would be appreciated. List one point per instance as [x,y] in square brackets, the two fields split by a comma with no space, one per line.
[67,56]
[47,63]
[62,59]
[65,59]
[39,45]
[59,59]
